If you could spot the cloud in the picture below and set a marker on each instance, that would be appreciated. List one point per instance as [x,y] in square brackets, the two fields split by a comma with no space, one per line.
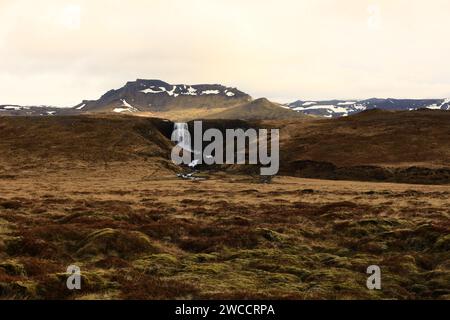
[70,17]
[374,20]
[61,51]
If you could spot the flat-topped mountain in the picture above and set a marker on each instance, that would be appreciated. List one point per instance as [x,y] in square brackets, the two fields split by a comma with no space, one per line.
[159,96]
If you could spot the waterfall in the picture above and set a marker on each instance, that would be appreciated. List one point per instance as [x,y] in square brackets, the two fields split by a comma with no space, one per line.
[182,135]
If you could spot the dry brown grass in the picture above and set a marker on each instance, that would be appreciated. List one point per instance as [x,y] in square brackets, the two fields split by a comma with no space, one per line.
[138,232]
[225,237]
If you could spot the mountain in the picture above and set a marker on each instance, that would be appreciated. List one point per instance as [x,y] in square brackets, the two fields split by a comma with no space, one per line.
[159,96]
[17,110]
[259,109]
[339,108]
[178,102]
[183,102]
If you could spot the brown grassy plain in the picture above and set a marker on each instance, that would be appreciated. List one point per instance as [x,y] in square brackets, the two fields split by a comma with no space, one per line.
[137,234]
[101,193]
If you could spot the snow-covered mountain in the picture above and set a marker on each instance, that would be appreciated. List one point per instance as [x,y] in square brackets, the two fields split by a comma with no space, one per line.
[342,108]
[17,110]
[159,98]
[156,95]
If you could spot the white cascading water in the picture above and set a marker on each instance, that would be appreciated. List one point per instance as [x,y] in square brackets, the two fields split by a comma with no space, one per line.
[181,135]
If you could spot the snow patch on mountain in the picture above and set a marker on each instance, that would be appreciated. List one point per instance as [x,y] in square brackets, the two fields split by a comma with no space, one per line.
[152,90]
[12,108]
[339,108]
[444,105]
[210,92]
[126,107]
[172,92]
[190,92]
[330,107]
[185,90]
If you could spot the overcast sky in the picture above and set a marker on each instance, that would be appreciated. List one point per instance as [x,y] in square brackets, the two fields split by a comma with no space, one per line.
[59,52]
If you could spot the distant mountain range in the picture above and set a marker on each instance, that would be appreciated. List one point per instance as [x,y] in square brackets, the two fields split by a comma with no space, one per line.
[181,101]
[17,110]
[339,108]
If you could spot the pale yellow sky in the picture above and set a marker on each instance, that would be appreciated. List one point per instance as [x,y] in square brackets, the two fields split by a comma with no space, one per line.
[61,51]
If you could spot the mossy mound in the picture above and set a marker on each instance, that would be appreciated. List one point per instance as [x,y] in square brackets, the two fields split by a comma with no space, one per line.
[54,286]
[162,264]
[443,243]
[18,290]
[13,268]
[117,243]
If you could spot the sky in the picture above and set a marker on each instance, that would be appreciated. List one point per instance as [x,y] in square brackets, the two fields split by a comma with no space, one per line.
[59,52]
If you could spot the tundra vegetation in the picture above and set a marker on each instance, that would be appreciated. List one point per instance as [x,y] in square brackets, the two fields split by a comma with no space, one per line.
[225,237]
[101,193]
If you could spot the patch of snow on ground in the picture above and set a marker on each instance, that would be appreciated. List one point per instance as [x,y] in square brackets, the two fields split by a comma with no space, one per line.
[229,93]
[81,107]
[193,163]
[348,103]
[309,103]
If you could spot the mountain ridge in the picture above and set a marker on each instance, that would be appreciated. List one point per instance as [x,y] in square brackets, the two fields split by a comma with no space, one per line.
[154,97]
[342,108]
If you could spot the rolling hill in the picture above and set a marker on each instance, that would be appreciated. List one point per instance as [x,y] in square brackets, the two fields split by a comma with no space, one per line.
[67,142]
[259,109]
[375,145]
